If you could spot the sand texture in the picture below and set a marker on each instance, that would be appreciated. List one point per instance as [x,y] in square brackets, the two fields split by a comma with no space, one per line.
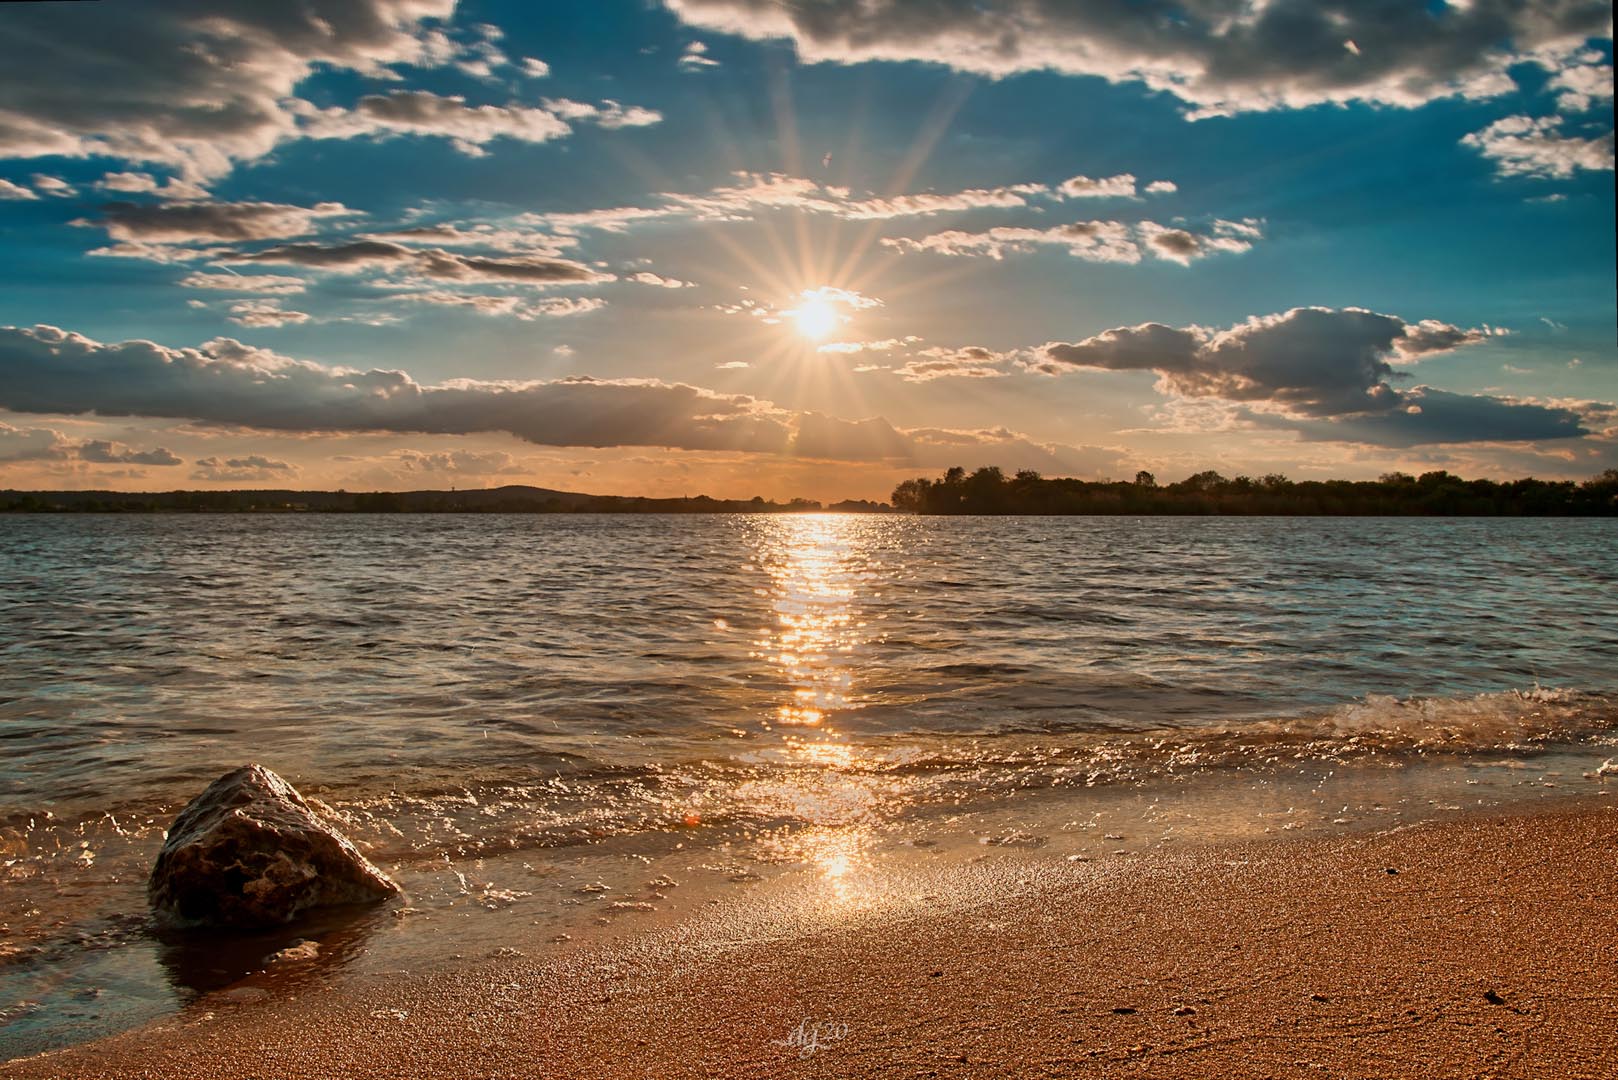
[1492,951]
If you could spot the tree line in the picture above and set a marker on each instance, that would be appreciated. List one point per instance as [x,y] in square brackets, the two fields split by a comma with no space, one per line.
[1440,494]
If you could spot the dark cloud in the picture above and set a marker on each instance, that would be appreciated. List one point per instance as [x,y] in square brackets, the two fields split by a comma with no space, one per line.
[110,453]
[1326,374]
[192,84]
[253,468]
[31,444]
[1311,361]
[47,370]
[46,444]
[1218,55]
[354,255]
[429,262]
[188,222]
[1439,416]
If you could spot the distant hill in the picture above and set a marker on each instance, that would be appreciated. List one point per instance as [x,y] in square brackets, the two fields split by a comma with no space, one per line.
[511,499]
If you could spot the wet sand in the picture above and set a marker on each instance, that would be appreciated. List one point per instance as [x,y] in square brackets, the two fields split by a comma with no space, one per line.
[1478,947]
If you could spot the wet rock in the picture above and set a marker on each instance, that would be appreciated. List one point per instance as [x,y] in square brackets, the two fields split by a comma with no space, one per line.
[300,952]
[249,852]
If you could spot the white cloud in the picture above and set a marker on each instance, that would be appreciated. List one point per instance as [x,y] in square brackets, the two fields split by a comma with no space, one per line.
[1536,147]
[1582,86]
[15,192]
[273,284]
[264,313]
[752,193]
[54,186]
[1092,241]
[1114,187]
[646,277]
[968,362]
[139,183]
[516,307]
[695,57]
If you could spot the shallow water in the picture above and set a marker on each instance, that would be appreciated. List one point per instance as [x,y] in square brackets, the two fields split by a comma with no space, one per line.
[480,695]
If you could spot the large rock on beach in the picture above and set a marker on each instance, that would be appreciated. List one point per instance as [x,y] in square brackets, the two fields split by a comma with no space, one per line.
[248,852]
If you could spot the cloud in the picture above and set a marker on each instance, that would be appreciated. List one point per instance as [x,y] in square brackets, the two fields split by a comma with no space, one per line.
[46,370]
[192,222]
[609,114]
[505,237]
[754,193]
[45,444]
[1526,146]
[1430,416]
[103,452]
[436,263]
[264,313]
[194,86]
[1217,56]
[1121,186]
[469,127]
[1582,86]
[461,462]
[1315,361]
[15,192]
[274,284]
[695,57]
[54,186]
[31,444]
[535,69]
[139,183]
[882,345]
[1322,372]
[1092,241]
[647,278]
[969,362]
[253,468]
[517,307]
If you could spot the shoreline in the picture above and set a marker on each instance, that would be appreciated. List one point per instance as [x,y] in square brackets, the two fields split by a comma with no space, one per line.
[1270,957]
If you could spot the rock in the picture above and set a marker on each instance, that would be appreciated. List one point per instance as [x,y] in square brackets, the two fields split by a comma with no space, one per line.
[299,952]
[248,852]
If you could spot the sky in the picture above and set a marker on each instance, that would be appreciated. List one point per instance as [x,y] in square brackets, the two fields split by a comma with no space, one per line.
[812,248]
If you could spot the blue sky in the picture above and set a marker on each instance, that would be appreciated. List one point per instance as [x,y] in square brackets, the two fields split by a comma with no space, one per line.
[745,248]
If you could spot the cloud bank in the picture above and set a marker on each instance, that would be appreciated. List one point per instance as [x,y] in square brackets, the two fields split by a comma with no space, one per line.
[46,370]
[1218,56]
[1327,373]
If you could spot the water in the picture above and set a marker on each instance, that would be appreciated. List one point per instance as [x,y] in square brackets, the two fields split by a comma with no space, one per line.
[478,695]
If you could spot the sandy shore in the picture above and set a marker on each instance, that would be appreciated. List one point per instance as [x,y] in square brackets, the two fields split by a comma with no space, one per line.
[1484,947]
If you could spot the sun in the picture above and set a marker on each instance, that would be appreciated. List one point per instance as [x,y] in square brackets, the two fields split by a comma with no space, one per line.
[816,318]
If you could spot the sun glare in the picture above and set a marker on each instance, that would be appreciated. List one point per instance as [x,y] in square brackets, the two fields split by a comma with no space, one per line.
[816,318]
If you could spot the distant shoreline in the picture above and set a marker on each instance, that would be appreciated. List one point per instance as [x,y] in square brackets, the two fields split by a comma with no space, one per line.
[985,492]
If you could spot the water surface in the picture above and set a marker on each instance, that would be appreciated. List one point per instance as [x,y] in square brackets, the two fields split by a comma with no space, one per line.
[464,690]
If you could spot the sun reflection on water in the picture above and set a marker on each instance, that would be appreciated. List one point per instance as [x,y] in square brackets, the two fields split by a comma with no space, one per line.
[819,568]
